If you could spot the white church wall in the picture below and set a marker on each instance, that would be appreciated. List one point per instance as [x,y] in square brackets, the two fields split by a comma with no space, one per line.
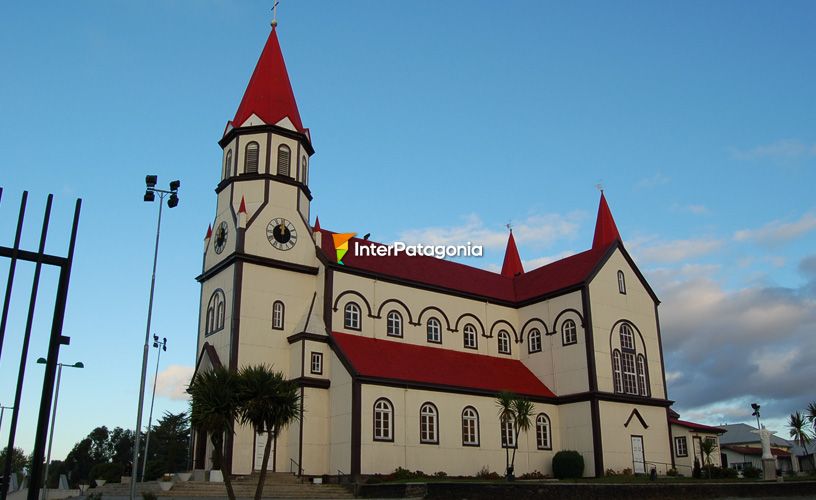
[617,436]
[575,431]
[340,414]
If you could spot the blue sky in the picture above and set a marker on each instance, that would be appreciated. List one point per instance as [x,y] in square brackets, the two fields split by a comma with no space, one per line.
[435,121]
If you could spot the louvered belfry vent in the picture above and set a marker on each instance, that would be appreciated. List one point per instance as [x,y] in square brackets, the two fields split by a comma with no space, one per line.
[284,158]
[251,158]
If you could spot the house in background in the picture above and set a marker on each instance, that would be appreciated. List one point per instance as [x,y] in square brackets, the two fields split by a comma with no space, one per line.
[741,447]
[686,440]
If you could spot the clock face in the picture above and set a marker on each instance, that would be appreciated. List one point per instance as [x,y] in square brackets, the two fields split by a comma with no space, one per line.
[220,240]
[281,233]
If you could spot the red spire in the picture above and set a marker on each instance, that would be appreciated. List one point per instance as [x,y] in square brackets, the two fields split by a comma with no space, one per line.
[512,262]
[606,232]
[269,93]
[317,224]
[209,232]
[242,208]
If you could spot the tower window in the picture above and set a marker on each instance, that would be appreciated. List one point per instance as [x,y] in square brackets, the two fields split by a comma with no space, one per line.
[621,283]
[251,158]
[534,341]
[227,164]
[317,363]
[394,324]
[277,315]
[543,432]
[470,336]
[569,333]
[470,427]
[504,342]
[284,159]
[215,313]
[434,331]
[304,171]
[351,316]
[428,432]
[383,420]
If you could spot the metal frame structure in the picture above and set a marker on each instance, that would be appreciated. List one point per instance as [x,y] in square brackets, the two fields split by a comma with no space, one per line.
[56,339]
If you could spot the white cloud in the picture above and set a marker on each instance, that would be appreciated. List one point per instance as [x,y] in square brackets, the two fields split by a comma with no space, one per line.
[658,179]
[778,232]
[538,230]
[695,209]
[784,149]
[675,250]
[173,381]
[531,264]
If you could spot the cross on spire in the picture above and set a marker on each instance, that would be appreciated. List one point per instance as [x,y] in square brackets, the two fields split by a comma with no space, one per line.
[275,14]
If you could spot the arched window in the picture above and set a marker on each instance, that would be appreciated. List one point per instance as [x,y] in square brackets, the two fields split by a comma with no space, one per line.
[215,313]
[434,331]
[277,315]
[470,336]
[629,374]
[228,164]
[617,375]
[641,373]
[428,432]
[534,341]
[621,283]
[394,324]
[508,436]
[383,420]
[470,426]
[251,158]
[543,432]
[504,342]
[284,159]
[351,316]
[626,337]
[569,333]
[304,171]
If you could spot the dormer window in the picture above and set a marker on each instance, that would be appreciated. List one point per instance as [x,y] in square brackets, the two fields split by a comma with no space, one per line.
[251,158]
[284,159]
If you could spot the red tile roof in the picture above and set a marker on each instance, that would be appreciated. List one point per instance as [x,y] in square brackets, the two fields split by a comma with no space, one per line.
[400,361]
[512,262]
[269,93]
[696,427]
[749,450]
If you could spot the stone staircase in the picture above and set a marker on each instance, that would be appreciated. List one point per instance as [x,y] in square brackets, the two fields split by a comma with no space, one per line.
[277,485]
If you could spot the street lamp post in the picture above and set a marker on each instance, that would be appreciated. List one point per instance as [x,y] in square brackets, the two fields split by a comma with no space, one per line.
[160,346]
[42,361]
[2,410]
[172,201]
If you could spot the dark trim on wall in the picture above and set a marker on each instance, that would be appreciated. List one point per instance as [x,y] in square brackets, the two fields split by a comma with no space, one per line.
[470,315]
[433,308]
[358,294]
[544,331]
[313,382]
[283,179]
[234,339]
[356,423]
[565,311]
[636,413]
[660,347]
[258,261]
[671,438]
[397,301]
[504,322]
[589,340]
[597,442]
[314,337]
[237,131]
[328,295]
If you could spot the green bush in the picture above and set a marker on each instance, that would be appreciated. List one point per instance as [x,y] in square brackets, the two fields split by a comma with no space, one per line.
[533,475]
[714,472]
[486,473]
[111,473]
[751,472]
[568,464]
[671,472]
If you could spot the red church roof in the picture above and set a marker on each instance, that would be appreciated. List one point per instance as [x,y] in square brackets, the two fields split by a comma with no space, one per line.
[398,361]
[606,232]
[512,262]
[269,93]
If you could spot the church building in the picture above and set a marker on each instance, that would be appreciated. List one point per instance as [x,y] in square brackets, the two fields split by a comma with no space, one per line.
[399,358]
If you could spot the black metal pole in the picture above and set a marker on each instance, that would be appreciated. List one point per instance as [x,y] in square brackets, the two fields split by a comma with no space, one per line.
[55,341]
[10,280]
[26,340]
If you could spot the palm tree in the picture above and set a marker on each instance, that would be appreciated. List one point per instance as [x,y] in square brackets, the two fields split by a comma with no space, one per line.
[811,415]
[707,448]
[213,410]
[517,411]
[796,428]
[269,402]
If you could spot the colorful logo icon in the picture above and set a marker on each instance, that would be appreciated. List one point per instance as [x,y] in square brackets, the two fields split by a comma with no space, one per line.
[341,245]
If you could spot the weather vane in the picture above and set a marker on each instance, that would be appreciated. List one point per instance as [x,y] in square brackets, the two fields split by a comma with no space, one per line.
[275,14]
[509,226]
[599,186]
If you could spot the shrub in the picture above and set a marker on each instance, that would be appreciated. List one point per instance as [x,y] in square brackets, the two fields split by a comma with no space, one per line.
[441,474]
[486,473]
[751,472]
[714,472]
[401,474]
[696,472]
[533,475]
[626,472]
[610,472]
[111,473]
[568,464]
[671,472]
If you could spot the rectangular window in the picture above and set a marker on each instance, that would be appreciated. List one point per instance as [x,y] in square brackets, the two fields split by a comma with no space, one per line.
[629,374]
[317,363]
[508,437]
[680,446]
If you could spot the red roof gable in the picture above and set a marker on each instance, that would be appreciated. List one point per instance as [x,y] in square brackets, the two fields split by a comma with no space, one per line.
[748,450]
[559,275]
[269,93]
[697,427]
[606,232]
[512,262]
[399,361]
